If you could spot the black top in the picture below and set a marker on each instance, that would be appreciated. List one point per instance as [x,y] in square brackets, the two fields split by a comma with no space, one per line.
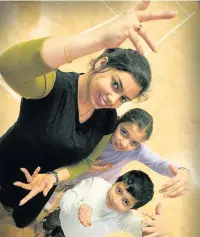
[48,134]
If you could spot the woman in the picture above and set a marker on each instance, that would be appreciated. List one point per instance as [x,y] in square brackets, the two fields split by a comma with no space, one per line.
[60,112]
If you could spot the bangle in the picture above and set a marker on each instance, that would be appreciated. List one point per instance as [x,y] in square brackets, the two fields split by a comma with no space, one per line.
[55,174]
[67,60]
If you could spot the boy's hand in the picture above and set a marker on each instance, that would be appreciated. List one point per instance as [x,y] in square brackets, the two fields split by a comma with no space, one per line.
[84,215]
[155,225]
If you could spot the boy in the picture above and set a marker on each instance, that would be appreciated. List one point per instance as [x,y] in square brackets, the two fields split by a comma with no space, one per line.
[96,208]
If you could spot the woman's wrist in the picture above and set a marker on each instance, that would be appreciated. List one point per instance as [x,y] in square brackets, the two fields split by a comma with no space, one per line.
[63,174]
[84,44]
[56,177]
[57,51]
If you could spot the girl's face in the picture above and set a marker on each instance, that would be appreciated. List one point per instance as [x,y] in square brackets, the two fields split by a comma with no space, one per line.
[112,88]
[127,137]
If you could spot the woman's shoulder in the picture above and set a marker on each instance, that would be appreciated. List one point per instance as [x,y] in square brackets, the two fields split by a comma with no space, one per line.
[66,82]
[66,77]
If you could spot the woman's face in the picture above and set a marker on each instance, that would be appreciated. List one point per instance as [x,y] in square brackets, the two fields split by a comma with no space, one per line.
[127,137]
[112,88]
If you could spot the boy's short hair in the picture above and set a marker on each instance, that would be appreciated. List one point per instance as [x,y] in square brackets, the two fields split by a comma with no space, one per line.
[139,185]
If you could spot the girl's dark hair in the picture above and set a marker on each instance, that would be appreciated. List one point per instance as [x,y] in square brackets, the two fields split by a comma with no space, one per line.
[139,185]
[130,61]
[139,117]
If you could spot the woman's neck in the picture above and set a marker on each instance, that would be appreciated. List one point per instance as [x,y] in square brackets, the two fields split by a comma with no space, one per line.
[84,106]
[83,89]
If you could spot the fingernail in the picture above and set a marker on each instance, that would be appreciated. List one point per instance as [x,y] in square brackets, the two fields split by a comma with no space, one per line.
[174,12]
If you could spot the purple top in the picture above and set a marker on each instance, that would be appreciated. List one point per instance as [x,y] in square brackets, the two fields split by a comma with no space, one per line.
[119,159]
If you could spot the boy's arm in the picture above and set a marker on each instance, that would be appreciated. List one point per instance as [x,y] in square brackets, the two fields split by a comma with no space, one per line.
[73,198]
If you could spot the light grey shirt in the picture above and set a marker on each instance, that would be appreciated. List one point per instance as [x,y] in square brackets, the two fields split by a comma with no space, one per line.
[93,191]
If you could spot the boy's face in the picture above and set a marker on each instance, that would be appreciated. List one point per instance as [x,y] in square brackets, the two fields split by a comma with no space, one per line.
[127,137]
[119,199]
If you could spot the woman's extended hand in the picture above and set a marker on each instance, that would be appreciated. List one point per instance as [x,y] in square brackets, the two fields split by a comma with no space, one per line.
[36,183]
[129,26]
[110,34]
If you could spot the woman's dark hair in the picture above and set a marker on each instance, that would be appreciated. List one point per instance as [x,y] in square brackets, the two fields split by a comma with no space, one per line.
[130,61]
[139,185]
[141,118]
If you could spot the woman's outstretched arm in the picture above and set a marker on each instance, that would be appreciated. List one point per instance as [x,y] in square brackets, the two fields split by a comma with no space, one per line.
[29,67]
